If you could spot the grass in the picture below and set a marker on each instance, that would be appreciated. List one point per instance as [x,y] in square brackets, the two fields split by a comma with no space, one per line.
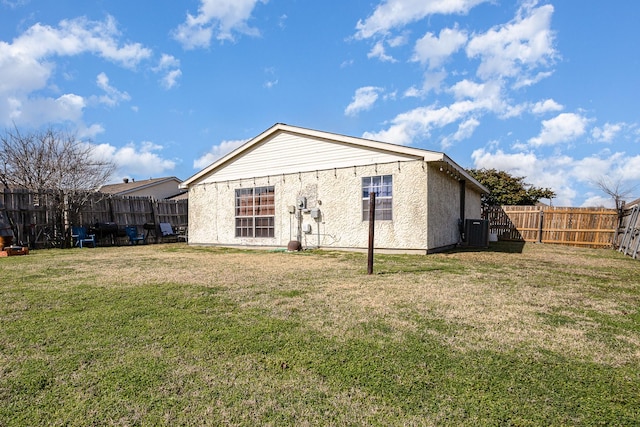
[178,335]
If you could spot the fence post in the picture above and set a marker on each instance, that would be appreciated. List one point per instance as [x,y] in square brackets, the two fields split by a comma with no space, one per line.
[154,213]
[540,226]
[112,217]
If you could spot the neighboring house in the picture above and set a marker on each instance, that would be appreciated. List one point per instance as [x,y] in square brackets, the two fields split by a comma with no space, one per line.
[157,188]
[291,183]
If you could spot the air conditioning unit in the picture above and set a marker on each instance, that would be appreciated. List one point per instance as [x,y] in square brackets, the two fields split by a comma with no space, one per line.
[477,232]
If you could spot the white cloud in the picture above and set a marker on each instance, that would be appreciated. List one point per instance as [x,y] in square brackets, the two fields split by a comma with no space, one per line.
[270,84]
[434,50]
[433,81]
[526,80]
[217,152]
[27,65]
[518,164]
[465,131]
[272,80]
[89,132]
[15,3]
[565,175]
[598,201]
[378,51]
[219,19]
[282,21]
[607,133]
[517,48]
[548,105]
[112,95]
[472,100]
[485,96]
[169,66]
[347,63]
[131,160]
[363,100]
[76,36]
[397,41]
[562,128]
[510,56]
[419,122]
[170,79]
[630,169]
[414,92]
[539,172]
[167,62]
[37,110]
[397,13]
[590,169]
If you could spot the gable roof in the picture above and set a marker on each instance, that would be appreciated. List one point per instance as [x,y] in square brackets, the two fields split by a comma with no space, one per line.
[130,186]
[378,150]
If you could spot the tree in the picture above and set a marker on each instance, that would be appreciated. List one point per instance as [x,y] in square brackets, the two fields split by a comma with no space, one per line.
[52,161]
[507,189]
[614,189]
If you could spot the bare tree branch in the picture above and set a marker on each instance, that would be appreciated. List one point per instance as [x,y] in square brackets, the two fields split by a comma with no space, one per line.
[615,190]
[51,160]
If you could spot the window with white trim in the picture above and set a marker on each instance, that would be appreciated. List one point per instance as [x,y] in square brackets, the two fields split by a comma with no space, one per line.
[382,186]
[255,212]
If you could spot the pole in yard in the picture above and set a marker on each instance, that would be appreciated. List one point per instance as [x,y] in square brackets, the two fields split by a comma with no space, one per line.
[372,220]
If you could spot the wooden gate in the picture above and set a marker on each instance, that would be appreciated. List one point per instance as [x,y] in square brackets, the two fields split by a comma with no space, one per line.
[630,232]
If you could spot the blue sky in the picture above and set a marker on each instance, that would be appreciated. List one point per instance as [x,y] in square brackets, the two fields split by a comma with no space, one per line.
[548,90]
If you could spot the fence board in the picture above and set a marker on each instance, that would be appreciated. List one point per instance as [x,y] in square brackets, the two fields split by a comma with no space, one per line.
[592,227]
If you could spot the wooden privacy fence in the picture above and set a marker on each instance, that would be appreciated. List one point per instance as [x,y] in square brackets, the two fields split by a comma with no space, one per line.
[37,218]
[586,227]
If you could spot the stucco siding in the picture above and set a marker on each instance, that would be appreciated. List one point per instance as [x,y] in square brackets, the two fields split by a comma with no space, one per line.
[443,209]
[473,205]
[285,153]
[336,192]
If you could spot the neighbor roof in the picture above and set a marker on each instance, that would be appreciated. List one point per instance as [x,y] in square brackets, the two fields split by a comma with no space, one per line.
[426,155]
[130,186]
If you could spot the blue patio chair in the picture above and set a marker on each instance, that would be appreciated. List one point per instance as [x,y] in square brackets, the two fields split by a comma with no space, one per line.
[134,236]
[81,238]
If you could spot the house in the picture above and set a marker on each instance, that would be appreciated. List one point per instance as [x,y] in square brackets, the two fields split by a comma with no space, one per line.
[156,188]
[295,184]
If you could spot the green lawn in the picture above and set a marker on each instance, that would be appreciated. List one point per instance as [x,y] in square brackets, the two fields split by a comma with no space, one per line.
[179,335]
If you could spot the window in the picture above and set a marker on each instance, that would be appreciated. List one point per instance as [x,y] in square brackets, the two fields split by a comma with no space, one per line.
[382,186]
[255,212]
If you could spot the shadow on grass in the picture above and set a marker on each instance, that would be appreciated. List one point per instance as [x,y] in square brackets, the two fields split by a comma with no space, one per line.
[511,247]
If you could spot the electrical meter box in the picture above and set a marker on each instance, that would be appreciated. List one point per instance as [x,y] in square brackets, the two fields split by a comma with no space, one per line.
[301,203]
